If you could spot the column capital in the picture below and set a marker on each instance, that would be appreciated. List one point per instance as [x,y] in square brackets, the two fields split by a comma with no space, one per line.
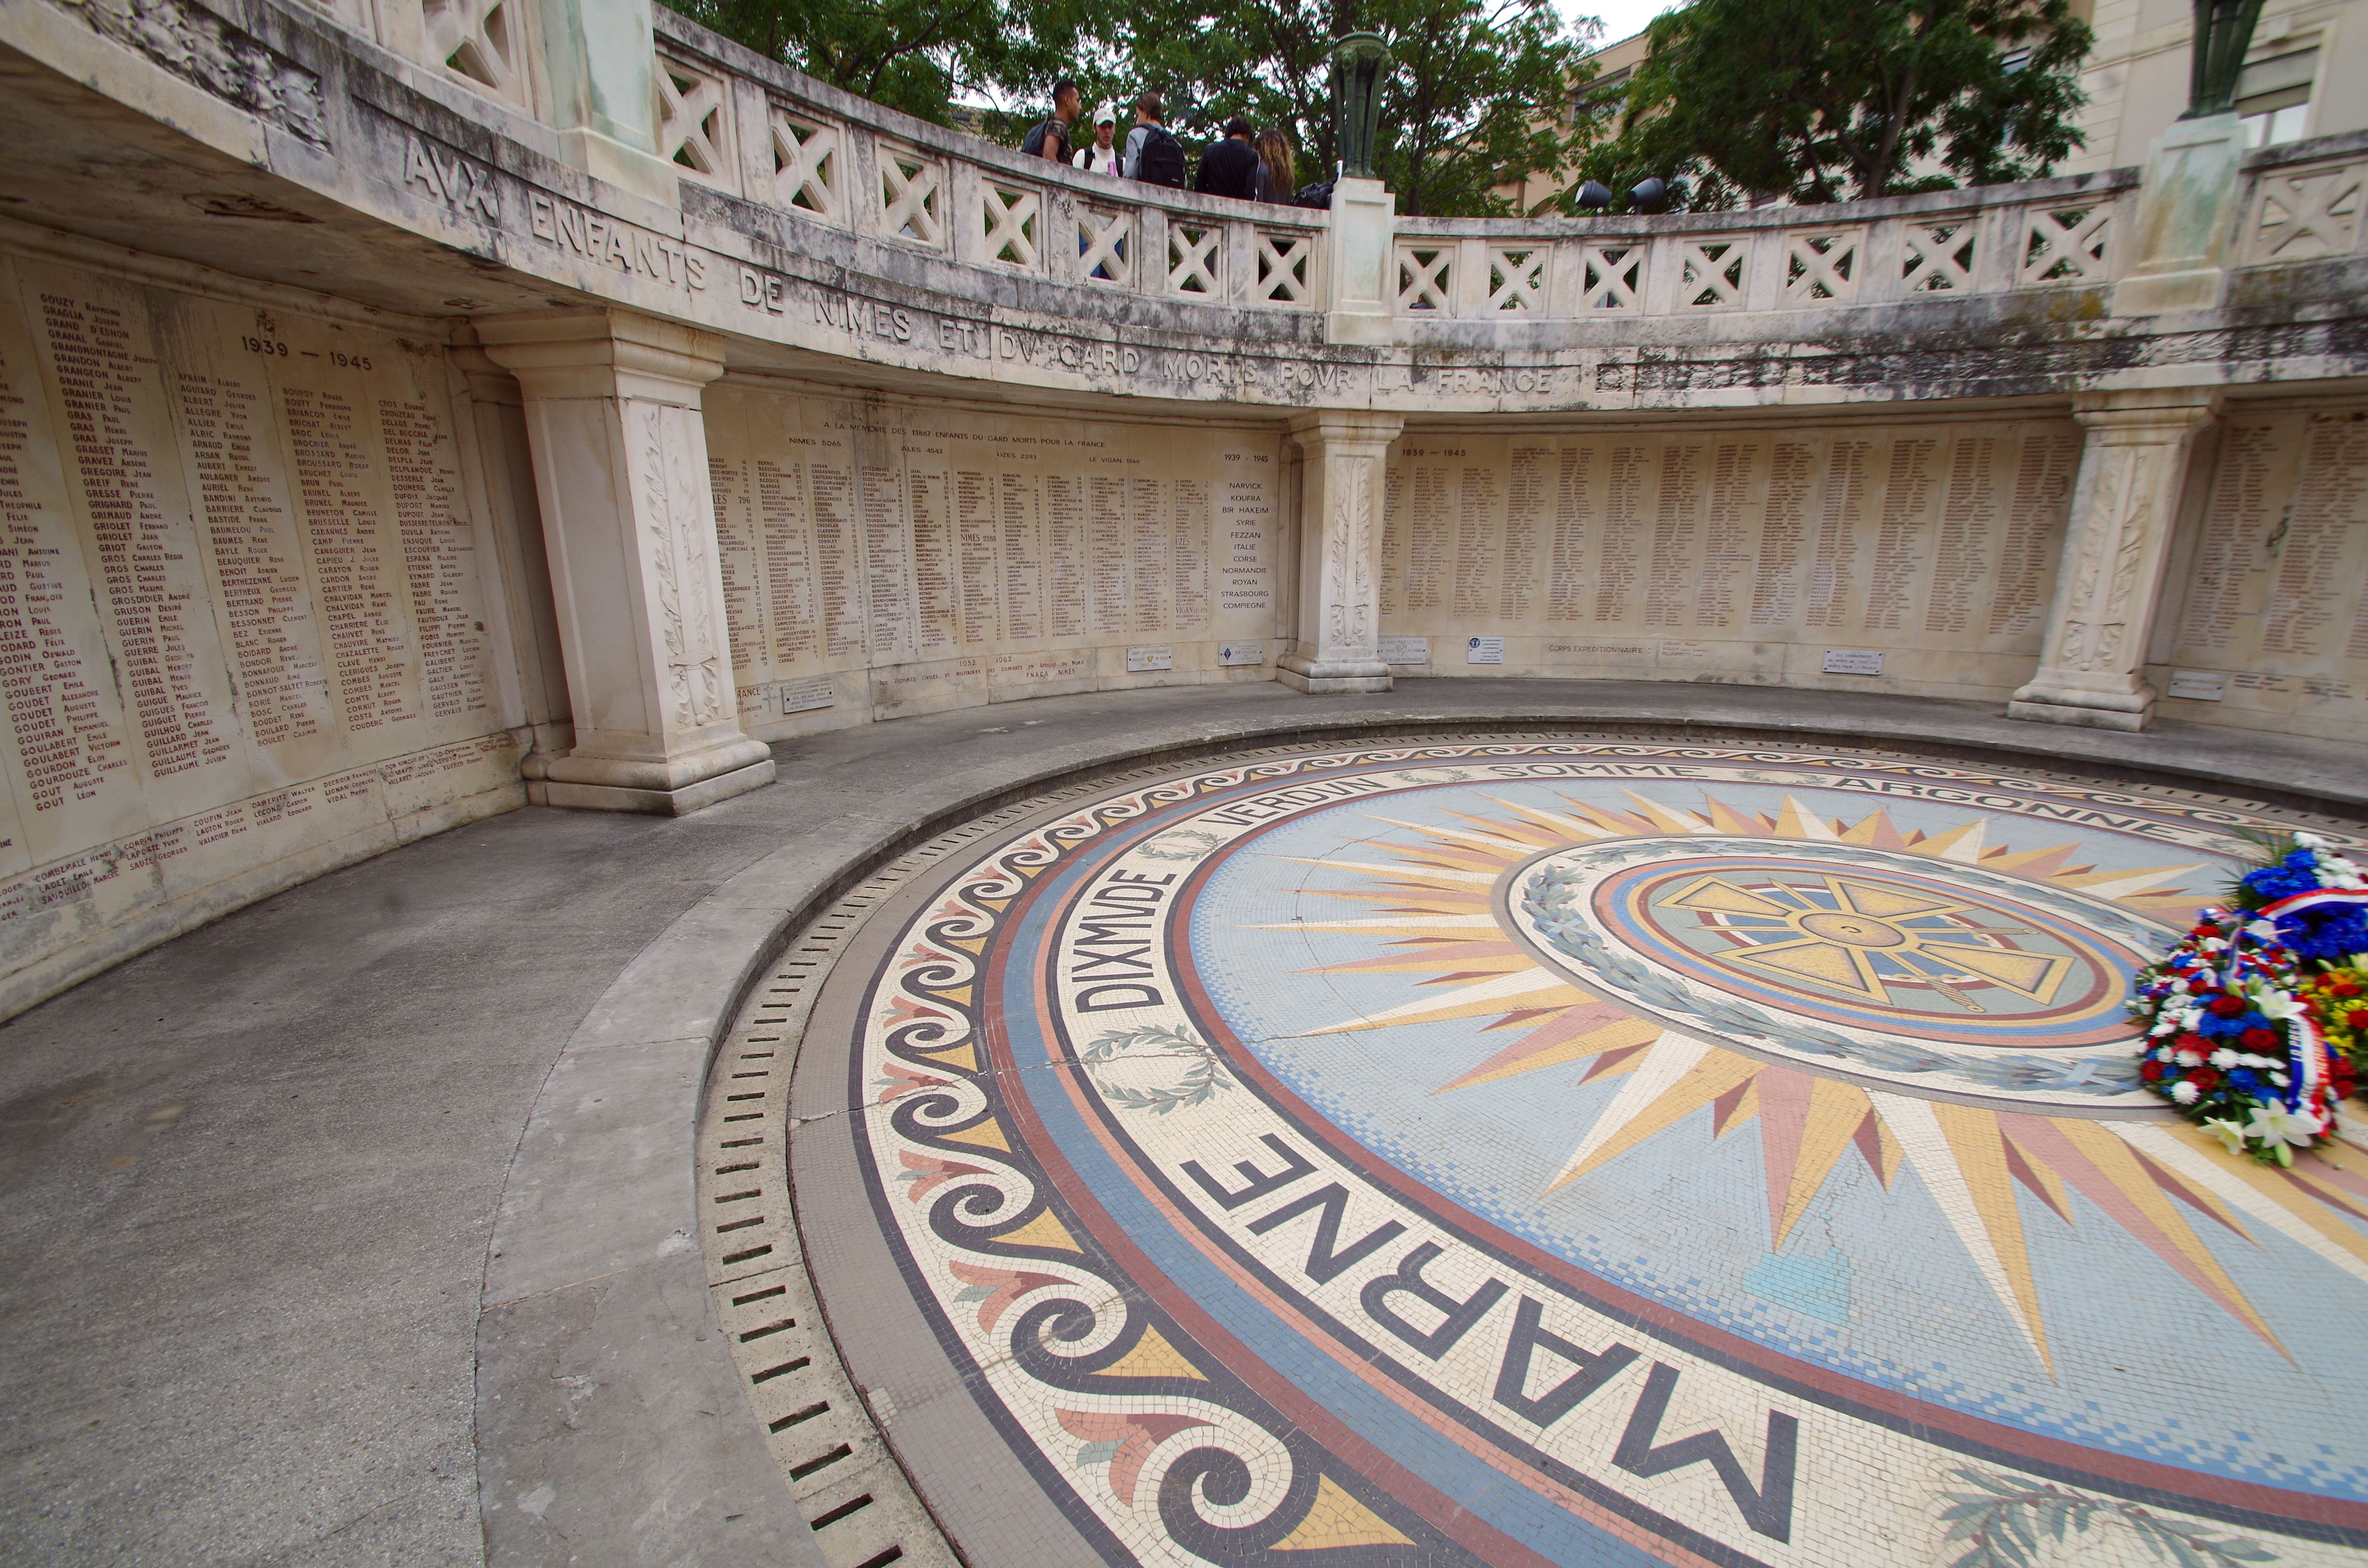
[600,352]
[1326,426]
[2151,414]
[488,382]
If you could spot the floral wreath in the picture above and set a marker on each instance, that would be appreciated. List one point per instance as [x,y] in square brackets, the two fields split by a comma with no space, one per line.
[2257,1017]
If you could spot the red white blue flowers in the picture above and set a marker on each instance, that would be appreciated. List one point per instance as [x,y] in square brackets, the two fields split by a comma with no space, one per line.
[2232,1037]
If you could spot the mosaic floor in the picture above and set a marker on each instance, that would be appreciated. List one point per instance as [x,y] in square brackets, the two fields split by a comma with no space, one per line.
[1530,1152]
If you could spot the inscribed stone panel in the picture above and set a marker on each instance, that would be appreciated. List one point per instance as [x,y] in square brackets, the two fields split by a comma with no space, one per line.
[2274,605]
[242,630]
[1731,554]
[997,554]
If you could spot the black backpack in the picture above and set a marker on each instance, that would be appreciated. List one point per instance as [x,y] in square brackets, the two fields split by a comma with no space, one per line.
[1316,194]
[1032,144]
[1161,161]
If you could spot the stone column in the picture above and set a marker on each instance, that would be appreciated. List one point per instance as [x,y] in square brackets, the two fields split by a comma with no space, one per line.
[2125,506]
[629,520]
[1336,648]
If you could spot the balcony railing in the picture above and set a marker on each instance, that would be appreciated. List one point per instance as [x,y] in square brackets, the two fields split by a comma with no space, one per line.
[767,135]
[1952,245]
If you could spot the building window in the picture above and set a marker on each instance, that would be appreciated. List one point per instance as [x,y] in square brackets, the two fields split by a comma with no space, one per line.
[2273,97]
[1602,95]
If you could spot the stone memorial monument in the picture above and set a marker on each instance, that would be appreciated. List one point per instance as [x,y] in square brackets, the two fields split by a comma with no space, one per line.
[417,411]
[494,407]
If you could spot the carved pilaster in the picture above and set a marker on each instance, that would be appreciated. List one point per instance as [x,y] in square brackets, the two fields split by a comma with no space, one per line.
[2133,469]
[619,450]
[498,466]
[1339,553]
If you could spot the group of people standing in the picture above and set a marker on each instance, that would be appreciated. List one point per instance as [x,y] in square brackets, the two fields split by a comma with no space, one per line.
[1242,163]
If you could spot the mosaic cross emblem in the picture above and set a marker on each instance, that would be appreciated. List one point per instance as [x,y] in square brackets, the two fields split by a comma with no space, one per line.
[1865,939]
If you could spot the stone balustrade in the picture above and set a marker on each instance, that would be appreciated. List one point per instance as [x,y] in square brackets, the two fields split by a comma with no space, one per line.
[825,158]
[775,138]
[1946,245]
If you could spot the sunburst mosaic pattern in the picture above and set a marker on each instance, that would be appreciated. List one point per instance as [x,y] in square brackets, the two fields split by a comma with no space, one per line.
[1556,1153]
[1956,952]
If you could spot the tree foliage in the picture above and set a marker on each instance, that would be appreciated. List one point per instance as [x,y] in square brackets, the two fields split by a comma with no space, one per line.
[1476,99]
[1823,100]
[914,55]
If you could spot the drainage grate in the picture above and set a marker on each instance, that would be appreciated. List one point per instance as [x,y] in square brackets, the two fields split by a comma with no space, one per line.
[822,1432]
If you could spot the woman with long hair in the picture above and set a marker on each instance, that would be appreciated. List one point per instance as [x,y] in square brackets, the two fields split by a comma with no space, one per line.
[1274,178]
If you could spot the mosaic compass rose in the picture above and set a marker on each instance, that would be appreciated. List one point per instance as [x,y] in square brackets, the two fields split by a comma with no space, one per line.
[1924,1000]
[1865,939]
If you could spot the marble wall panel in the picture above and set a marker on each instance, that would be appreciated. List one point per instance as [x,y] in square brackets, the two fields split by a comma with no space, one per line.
[2266,623]
[1730,554]
[883,557]
[242,629]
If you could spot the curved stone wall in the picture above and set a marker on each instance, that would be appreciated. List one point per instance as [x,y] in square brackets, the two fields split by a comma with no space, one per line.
[396,433]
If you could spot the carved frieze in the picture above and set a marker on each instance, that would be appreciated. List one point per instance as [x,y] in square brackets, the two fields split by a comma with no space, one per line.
[209,53]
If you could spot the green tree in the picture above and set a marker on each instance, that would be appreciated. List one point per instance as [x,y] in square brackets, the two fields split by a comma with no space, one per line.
[1478,96]
[1819,100]
[1480,99]
[914,55]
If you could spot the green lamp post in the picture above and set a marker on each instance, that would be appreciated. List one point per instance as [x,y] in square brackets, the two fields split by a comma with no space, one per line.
[1360,61]
[2224,29]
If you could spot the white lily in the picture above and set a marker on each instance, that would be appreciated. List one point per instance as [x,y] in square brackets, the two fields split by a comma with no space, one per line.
[2230,1133]
[2274,1124]
[2279,1005]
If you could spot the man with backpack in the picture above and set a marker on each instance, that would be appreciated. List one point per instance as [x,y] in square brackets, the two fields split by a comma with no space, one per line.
[1151,154]
[1051,139]
[1230,165]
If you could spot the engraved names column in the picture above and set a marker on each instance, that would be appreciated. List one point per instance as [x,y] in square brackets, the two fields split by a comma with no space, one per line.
[274,642]
[61,709]
[1244,518]
[439,558]
[354,560]
[1067,595]
[151,584]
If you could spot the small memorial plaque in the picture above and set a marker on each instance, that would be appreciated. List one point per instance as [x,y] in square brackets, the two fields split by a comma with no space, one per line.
[1241,654]
[1405,649]
[1853,662]
[1141,660]
[798,695]
[2199,685]
[777,698]
[1484,651]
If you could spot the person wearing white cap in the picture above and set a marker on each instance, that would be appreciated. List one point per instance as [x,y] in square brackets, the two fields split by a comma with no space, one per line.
[1103,156]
